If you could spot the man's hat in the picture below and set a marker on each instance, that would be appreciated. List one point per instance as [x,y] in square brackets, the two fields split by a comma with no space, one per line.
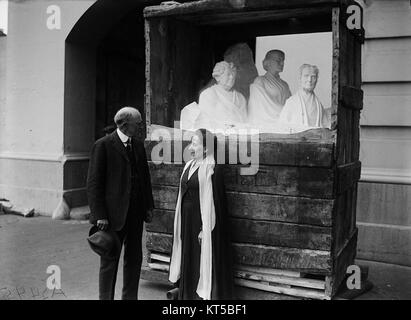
[105,243]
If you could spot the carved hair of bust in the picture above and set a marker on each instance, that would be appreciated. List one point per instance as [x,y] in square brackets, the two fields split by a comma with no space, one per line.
[224,73]
[270,54]
[306,65]
[221,67]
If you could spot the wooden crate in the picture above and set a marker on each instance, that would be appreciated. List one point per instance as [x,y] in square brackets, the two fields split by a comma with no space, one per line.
[297,214]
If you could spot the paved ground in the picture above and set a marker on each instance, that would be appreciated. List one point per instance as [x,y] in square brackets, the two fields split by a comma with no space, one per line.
[29,245]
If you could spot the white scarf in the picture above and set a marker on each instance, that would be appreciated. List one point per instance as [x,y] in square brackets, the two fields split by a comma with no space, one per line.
[205,172]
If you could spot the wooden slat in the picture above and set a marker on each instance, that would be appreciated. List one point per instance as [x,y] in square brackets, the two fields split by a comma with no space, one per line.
[386,60]
[280,208]
[161,266]
[304,260]
[348,174]
[313,148]
[157,67]
[281,180]
[271,271]
[229,5]
[259,232]
[352,97]
[292,281]
[163,221]
[280,234]
[290,181]
[165,197]
[233,18]
[159,257]
[344,259]
[159,242]
[260,207]
[154,275]
[387,18]
[304,293]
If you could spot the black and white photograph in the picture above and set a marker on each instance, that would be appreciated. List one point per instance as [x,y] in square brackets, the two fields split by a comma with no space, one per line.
[225,150]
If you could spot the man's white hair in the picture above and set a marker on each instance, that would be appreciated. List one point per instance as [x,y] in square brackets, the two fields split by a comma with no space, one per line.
[126,114]
[309,66]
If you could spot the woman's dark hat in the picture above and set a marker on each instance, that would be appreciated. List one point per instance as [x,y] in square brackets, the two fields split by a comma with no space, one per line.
[105,243]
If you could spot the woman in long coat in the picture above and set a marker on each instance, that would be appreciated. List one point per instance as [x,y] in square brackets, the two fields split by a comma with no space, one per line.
[201,261]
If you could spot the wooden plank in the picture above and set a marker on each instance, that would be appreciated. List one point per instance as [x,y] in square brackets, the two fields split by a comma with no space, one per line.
[280,234]
[161,266]
[304,260]
[343,149]
[280,208]
[148,93]
[387,18]
[154,275]
[157,91]
[205,6]
[259,232]
[292,281]
[160,257]
[335,69]
[159,242]
[304,293]
[280,180]
[311,149]
[344,259]
[378,52]
[163,222]
[234,18]
[258,206]
[165,197]
[341,222]
[271,271]
[352,97]
[348,174]
[290,181]
[355,155]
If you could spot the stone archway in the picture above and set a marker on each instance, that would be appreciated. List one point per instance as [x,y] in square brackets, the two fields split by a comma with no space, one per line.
[98,80]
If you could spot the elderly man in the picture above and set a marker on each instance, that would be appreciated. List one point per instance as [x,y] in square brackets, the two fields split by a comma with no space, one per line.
[120,199]
[303,110]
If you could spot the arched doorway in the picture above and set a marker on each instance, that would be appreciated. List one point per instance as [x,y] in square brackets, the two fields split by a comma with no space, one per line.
[104,70]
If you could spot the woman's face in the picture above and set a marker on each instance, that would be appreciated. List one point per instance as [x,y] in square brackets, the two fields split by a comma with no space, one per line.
[276,64]
[196,148]
[227,79]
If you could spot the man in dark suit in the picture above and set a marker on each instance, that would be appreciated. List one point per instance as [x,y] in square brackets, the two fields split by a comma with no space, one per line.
[120,198]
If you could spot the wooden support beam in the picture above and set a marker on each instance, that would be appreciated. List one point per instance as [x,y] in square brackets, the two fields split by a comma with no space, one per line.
[258,206]
[303,260]
[352,98]
[348,174]
[259,232]
[216,6]
[303,293]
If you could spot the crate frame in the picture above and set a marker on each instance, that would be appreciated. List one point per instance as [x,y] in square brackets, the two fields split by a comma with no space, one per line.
[169,30]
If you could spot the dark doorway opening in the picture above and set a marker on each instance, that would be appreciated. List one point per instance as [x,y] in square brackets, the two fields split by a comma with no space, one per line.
[120,72]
